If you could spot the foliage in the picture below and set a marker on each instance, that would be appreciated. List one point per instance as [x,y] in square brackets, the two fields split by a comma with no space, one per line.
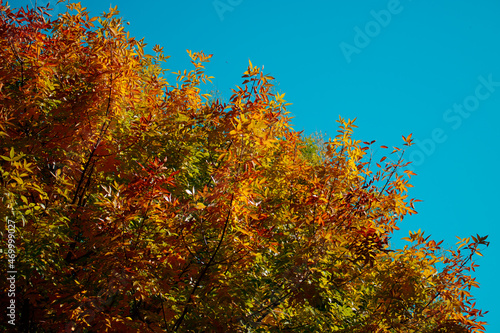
[142,205]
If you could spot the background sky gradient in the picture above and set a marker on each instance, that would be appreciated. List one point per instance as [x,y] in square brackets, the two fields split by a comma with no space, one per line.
[423,67]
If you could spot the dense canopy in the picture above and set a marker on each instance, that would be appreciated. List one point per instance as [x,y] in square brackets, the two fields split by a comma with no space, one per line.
[144,205]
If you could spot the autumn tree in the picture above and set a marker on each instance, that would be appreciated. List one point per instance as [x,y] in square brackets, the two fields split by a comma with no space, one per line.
[143,205]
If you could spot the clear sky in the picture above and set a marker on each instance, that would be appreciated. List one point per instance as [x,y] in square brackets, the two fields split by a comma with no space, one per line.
[431,68]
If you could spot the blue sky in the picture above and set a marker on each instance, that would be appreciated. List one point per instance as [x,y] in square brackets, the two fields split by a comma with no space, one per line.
[399,67]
